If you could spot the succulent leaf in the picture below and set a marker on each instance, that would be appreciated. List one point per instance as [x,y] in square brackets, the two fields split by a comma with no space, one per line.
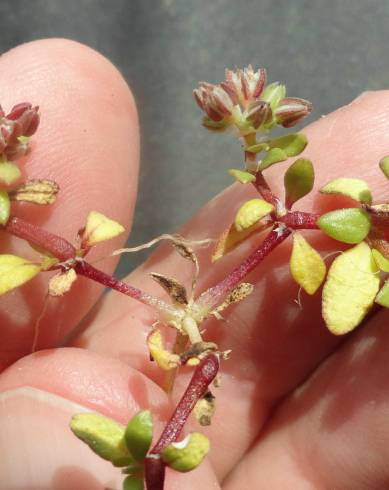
[298,180]
[188,454]
[15,271]
[351,225]
[307,267]
[251,212]
[139,434]
[357,189]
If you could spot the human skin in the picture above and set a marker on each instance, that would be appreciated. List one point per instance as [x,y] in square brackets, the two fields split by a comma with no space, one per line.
[298,408]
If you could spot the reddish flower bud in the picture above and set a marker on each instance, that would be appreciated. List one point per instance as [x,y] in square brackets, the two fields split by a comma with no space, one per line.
[292,110]
[259,112]
[22,121]
[244,85]
[213,100]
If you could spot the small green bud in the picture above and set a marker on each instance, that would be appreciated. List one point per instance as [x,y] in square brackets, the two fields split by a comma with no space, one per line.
[298,180]
[292,144]
[242,176]
[351,225]
[103,435]
[9,172]
[275,155]
[139,434]
[133,483]
[357,189]
[188,454]
[384,166]
[5,207]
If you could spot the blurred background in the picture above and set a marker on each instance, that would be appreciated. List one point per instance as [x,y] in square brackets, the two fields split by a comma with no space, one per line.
[327,52]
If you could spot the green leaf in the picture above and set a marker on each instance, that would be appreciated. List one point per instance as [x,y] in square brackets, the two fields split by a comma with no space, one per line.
[384,166]
[251,212]
[133,483]
[258,148]
[382,297]
[357,189]
[351,287]
[292,144]
[306,265]
[274,93]
[5,207]
[103,435]
[275,155]
[242,176]
[139,434]
[9,172]
[188,454]
[380,260]
[350,225]
[298,180]
[15,271]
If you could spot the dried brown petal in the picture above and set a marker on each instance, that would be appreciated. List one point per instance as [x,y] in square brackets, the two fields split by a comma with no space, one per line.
[236,295]
[61,283]
[36,191]
[204,409]
[175,290]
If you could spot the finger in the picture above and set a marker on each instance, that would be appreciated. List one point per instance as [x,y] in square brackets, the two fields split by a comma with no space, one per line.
[38,396]
[333,432]
[275,344]
[88,143]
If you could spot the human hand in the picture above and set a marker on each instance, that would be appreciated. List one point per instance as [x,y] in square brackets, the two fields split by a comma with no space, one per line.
[284,418]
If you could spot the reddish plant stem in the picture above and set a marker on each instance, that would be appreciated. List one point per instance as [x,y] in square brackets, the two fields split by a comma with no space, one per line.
[298,220]
[55,245]
[203,376]
[154,472]
[85,269]
[214,295]
[263,188]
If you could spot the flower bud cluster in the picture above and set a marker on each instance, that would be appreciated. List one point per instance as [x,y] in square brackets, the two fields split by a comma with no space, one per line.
[244,100]
[15,128]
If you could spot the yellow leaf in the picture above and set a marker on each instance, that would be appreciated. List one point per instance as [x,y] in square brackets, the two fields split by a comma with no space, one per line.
[100,228]
[307,267]
[251,212]
[357,189]
[349,292]
[5,207]
[165,359]
[9,172]
[231,238]
[15,271]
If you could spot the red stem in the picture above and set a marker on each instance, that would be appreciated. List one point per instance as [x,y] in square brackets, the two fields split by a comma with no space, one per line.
[55,245]
[214,295]
[263,188]
[298,220]
[203,376]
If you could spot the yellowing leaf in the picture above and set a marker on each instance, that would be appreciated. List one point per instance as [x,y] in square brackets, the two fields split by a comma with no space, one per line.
[251,212]
[100,228]
[350,289]
[298,180]
[380,260]
[103,435]
[382,297]
[165,359]
[186,455]
[306,265]
[15,271]
[357,189]
[5,207]
[9,172]
[242,176]
[231,238]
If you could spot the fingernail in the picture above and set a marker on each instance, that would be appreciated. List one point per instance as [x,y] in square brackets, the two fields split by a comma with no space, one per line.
[38,450]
